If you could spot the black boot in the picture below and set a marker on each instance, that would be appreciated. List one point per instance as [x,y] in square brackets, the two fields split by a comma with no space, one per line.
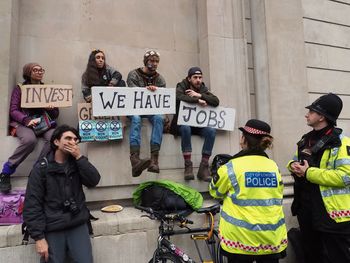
[138,165]
[5,183]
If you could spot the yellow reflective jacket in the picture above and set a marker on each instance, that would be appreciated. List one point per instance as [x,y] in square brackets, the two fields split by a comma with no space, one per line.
[333,178]
[252,219]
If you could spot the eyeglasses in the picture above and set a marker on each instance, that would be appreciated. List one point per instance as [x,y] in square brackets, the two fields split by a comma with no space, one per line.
[37,70]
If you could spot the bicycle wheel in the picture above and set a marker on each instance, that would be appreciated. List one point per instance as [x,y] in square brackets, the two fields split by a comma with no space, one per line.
[165,258]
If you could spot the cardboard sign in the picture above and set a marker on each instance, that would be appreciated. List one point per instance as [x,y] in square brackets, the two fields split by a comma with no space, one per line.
[85,113]
[216,117]
[117,101]
[41,96]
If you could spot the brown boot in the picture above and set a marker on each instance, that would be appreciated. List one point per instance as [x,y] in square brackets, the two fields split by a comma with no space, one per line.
[153,167]
[203,172]
[138,165]
[188,173]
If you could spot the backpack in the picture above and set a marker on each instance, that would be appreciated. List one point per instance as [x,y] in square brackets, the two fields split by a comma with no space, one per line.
[11,207]
[163,200]
[219,160]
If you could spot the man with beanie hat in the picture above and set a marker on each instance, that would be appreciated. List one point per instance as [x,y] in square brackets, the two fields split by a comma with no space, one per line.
[22,122]
[193,90]
[146,76]
[321,171]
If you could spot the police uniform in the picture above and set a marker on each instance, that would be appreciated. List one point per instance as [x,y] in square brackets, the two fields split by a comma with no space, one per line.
[252,224]
[322,198]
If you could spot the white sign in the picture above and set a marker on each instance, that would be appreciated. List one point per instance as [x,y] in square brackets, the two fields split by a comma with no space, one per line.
[216,117]
[117,101]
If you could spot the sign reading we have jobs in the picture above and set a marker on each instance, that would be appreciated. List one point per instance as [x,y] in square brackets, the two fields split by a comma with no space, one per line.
[117,101]
[41,96]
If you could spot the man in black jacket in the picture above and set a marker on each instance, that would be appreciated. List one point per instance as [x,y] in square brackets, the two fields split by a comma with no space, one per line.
[54,210]
[193,90]
[321,171]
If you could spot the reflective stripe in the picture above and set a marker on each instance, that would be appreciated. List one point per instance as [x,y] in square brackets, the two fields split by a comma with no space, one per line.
[335,191]
[249,226]
[346,180]
[217,193]
[256,202]
[341,162]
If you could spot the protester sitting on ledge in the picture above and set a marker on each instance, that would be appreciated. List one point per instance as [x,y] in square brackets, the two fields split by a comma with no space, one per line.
[98,73]
[148,77]
[193,90]
[22,123]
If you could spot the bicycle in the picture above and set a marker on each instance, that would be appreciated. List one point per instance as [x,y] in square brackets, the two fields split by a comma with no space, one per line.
[167,251]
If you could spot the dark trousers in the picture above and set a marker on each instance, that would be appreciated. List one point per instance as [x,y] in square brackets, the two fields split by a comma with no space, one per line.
[321,247]
[75,242]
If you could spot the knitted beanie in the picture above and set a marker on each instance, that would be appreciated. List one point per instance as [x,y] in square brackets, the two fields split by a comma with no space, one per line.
[27,69]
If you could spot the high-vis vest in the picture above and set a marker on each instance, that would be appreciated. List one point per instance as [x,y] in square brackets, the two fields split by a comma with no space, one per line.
[333,178]
[252,219]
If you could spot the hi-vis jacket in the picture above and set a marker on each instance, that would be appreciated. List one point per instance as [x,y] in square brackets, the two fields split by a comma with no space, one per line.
[333,178]
[252,220]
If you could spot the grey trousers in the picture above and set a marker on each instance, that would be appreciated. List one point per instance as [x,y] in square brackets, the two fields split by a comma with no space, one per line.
[74,242]
[28,140]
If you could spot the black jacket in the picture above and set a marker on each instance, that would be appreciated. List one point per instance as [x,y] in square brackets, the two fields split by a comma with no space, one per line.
[181,95]
[308,201]
[49,185]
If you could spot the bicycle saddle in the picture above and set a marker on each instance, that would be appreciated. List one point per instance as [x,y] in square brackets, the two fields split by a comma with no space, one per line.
[214,209]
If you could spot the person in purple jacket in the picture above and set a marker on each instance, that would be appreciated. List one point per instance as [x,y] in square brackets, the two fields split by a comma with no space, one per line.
[22,122]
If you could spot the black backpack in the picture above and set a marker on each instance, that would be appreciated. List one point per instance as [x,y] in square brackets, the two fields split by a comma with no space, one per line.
[163,200]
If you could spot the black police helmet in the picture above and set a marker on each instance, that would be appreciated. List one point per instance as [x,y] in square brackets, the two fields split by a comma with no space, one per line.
[329,105]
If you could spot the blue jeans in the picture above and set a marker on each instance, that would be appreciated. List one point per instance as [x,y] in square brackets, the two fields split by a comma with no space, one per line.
[207,133]
[135,129]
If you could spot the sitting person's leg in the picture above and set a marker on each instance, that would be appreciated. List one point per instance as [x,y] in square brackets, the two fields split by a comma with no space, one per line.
[46,147]
[186,147]
[157,122]
[209,138]
[138,165]
[27,144]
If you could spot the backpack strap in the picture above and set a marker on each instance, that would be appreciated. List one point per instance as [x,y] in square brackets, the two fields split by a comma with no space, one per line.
[44,163]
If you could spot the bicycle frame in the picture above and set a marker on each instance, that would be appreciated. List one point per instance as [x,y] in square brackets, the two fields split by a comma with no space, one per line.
[164,244]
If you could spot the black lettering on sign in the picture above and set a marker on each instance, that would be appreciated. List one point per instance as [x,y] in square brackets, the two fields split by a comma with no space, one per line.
[190,109]
[138,99]
[35,92]
[108,103]
[198,116]
[121,103]
[212,122]
[148,102]
[166,101]
[221,124]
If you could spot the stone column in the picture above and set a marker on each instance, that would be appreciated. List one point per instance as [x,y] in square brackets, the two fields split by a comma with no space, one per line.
[223,58]
[280,72]
[8,57]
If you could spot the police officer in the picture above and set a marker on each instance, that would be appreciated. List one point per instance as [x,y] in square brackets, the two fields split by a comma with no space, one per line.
[252,225]
[321,169]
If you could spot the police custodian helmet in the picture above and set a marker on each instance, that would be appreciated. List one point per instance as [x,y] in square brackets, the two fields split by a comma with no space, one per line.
[329,105]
